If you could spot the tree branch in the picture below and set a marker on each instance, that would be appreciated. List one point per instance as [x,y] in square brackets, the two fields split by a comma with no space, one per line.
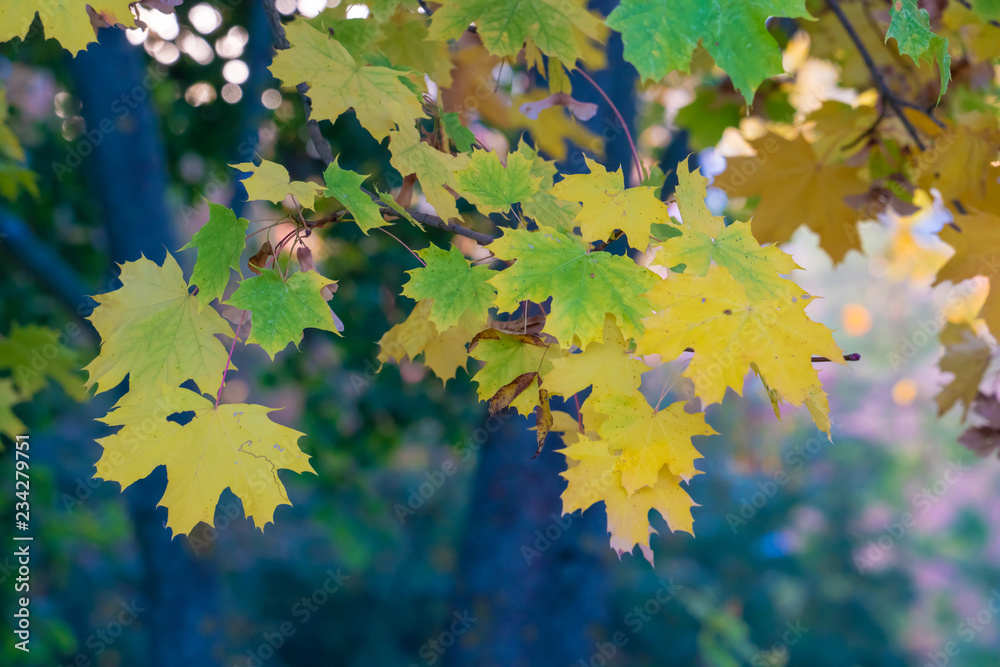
[887,95]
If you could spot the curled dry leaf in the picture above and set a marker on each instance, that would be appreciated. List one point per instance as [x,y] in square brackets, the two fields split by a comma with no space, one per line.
[305,257]
[260,260]
[582,110]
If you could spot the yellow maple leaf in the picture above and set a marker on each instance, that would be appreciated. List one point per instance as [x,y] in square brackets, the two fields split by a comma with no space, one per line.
[608,205]
[608,366]
[233,446]
[338,82]
[647,440]
[444,353]
[795,188]
[975,255]
[64,20]
[154,331]
[404,40]
[966,356]
[730,331]
[958,161]
[597,477]
[434,169]
[270,181]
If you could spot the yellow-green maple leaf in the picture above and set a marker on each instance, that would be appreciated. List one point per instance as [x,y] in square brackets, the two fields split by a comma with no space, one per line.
[154,331]
[64,20]
[729,331]
[584,286]
[544,207]
[608,205]
[338,82]
[597,477]
[705,238]
[556,27]
[435,170]
[33,353]
[494,187]
[507,356]
[270,181]
[607,366]
[10,425]
[234,446]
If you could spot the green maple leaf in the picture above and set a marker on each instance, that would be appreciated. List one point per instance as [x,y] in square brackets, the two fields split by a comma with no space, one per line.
[338,82]
[220,243]
[456,287]
[155,332]
[457,132]
[555,26]
[494,188]
[911,28]
[283,309]
[345,186]
[705,238]
[583,285]
[544,207]
[661,35]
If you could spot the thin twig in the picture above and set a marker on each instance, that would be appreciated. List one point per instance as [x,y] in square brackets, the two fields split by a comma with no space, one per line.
[229,359]
[853,356]
[386,231]
[887,95]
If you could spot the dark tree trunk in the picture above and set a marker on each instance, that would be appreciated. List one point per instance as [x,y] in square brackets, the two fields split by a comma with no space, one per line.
[537,582]
[129,177]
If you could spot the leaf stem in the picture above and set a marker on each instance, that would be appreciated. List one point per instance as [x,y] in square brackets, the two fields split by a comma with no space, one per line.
[386,231]
[229,359]
[628,135]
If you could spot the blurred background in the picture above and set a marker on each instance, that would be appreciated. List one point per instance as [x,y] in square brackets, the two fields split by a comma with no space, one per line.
[430,536]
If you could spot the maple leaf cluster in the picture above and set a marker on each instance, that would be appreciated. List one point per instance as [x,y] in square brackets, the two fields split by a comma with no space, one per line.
[531,294]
